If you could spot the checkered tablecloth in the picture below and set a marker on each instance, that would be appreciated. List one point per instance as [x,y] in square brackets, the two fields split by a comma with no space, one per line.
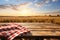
[12,30]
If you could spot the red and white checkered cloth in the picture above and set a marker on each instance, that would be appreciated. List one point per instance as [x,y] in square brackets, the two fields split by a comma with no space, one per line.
[12,30]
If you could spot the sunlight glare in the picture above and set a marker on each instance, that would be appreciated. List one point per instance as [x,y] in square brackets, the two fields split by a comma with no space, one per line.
[25,12]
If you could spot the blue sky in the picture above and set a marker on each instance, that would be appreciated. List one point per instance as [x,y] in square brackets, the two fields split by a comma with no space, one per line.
[35,5]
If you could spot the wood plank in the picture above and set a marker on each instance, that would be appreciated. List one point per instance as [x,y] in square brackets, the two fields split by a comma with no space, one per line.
[41,29]
[43,33]
[56,27]
[44,29]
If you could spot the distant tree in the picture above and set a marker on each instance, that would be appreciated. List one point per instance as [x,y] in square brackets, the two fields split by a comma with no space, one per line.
[58,15]
[50,15]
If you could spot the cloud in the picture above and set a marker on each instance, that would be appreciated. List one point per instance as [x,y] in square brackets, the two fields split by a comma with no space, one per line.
[42,3]
[16,7]
[54,0]
[25,4]
[35,1]
[3,6]
[13,7]
[46,1]
[39,4]
[22,5]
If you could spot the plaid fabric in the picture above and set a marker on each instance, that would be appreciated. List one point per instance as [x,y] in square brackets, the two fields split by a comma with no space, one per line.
[12,30]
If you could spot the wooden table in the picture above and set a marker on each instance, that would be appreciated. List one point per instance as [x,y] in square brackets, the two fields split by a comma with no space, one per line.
[41,31]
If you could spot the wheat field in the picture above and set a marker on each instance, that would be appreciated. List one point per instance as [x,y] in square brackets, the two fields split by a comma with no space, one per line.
[39,19]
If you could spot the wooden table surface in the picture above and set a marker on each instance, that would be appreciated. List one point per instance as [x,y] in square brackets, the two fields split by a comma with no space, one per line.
[41,29]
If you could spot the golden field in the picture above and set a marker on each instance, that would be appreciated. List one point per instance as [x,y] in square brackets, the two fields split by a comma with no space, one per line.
[48,19]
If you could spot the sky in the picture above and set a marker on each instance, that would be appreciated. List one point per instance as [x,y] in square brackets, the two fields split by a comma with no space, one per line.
[29,7]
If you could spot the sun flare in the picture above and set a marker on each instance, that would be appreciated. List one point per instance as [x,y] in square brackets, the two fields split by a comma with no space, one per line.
[25,12]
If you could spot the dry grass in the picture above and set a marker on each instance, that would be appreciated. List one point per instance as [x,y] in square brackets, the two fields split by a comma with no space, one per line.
[30,19]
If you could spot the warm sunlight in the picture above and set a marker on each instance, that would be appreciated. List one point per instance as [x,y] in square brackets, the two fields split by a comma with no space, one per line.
[25,12]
